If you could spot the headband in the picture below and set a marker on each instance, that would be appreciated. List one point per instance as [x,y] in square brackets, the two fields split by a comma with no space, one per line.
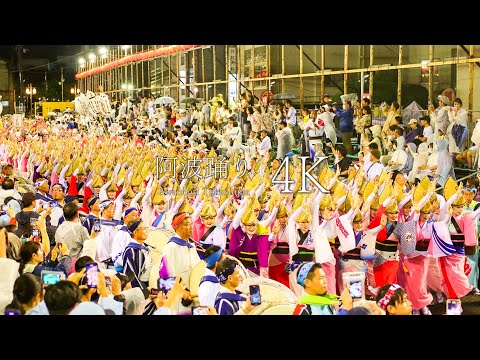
[385,300]
[40,183]
[61,186]
[128,211]
[212,259]
[225,273]
[134,226]
[179,219]
[104,204]
[92,202]
[303,272]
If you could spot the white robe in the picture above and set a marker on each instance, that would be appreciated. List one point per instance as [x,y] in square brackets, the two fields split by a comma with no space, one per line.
[179,260]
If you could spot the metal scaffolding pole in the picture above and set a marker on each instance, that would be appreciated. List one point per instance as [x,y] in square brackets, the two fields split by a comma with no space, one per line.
[370,78]
[430,73]
[302,100]
[345,68]
[399,86]
[322,77]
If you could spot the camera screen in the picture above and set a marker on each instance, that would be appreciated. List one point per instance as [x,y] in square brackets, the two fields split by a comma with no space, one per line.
[356,289]
[51,278]
[165,284]
[454,307]
[200,310]
[92,275]
[96,226]
[255,298]
[35,232]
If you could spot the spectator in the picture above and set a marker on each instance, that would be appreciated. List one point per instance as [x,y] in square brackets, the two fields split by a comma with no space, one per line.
[7,190]
[27,293]
[210,284]
[414,132]
[34,259]
[71,232]
[229,301]
[314,299]
[346,124]
[427,129]
[393,299]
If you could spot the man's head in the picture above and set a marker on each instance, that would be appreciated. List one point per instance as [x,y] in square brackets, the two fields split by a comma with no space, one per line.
[28,199]
[62,297]
[375,155]
[107,207]
[263,133]
[58,192]
[93,203]
[413,123]
[70,212]
[213,256]
[130,214]
[311,276]
[342,152]
[365,102]
[8,184]
[138,230]
[8,170]
[228,273]
[425,121]
[182,224]
[42,185]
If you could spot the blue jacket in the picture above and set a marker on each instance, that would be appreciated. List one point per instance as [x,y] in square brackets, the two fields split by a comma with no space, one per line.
[346,120]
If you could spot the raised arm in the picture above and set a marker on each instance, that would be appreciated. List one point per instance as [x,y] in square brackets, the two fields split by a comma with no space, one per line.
[103,191]
[221,209]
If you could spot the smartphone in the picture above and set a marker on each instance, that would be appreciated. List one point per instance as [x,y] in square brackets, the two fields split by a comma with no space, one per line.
[355,283]
[154,291]
[92,275]
[108,281]
[35,233]
[255,298]
[165,284]
[200,310]
[454,307]
[51,277]
[96,225]
[11,312]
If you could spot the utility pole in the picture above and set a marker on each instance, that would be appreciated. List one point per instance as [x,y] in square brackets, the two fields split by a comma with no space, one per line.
[62,80]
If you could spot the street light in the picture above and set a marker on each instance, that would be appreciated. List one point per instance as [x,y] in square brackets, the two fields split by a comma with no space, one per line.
[74,91]
[30,90]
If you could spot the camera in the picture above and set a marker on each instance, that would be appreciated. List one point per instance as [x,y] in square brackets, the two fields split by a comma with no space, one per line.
[255,298]
[454,307]
[200,310]
[92,275]
[51,277]
[165,284]
[96,225]
[355,283]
